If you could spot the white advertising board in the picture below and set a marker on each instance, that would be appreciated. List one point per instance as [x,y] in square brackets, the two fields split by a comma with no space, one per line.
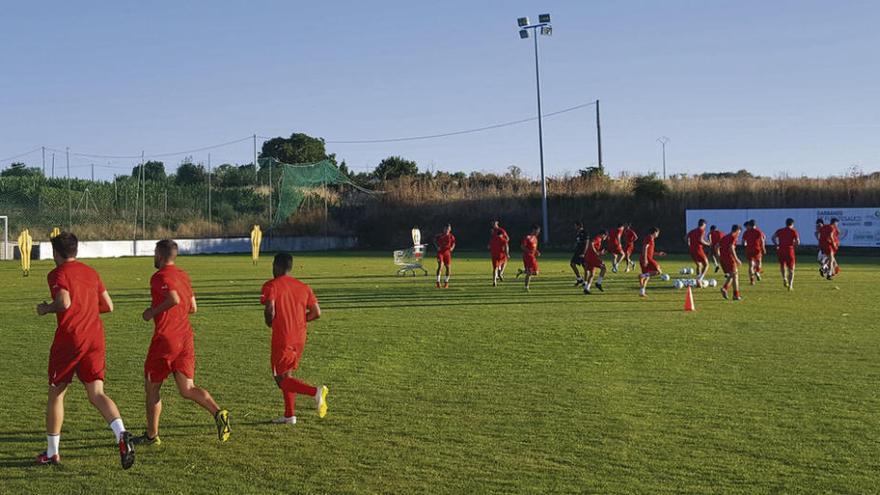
[859,227]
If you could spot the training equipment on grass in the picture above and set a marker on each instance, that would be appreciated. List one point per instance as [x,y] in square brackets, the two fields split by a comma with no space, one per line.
[686,271]
[256,240]
[689,301]
[410,259]
[25,243]
[713,282]
[664,277]
[678,284]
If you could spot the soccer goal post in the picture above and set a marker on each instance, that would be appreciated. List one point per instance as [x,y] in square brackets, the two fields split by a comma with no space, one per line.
[5,248]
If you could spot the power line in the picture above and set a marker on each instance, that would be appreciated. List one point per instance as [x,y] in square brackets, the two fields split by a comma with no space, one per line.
[159,155]
[20,155]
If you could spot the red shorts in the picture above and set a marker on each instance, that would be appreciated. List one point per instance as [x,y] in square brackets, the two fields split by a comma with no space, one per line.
[530,263]
[444,257]
[699,256]
[728,265]
[286,358]
[591,263]
[498,259]
[650,266]
[752,256]
[786,257]
[86,360]
[827,250]
[615,249]
[169,355]
[628,249]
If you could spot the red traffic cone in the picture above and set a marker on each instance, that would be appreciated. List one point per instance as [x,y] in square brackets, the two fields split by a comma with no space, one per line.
[689,301]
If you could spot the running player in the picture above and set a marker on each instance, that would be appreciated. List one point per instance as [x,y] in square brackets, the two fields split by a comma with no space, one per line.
[593,260]
[755,243]
[786,240]
[78,299]
[529,245]
[730,262]
[629,245]
[171,349]
[499,249]
[615,246]
[445,243]
[580,247]
[820,257]
[715,236]
[696,240]
[650,267]
[289,306]
[829,242]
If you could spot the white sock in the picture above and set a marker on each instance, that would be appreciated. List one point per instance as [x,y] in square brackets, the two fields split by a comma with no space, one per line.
[642,291]
[587,285]
[599,280]
[438,279]
[446,280]
[52,442]
[117,427]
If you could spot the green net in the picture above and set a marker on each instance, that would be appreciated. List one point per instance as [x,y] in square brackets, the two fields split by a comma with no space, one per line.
[297,180]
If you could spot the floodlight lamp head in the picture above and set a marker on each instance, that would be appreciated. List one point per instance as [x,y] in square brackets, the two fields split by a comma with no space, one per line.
[523,33]
[544,18]
[522,21]
[546,30]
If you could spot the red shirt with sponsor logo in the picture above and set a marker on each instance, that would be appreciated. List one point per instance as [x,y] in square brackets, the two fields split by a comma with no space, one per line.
[81,322]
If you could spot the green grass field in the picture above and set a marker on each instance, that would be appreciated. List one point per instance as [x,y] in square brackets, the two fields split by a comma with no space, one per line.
[472,389]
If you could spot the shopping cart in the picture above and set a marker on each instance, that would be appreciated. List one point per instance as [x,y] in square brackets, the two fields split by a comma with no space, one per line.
[410,260]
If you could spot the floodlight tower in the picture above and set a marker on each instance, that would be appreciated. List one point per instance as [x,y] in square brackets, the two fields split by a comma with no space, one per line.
[545,29]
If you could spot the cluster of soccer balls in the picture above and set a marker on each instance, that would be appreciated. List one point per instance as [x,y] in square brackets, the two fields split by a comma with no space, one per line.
[681,283]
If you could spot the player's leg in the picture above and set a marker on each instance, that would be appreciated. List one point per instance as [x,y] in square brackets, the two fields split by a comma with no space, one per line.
[291,387]
[54,420]
[601,277]
[439,268]
[589,273]
[108,409]
[728,279]
[578,280]
[735,284]
[188,390]
[447,264]
[791,277]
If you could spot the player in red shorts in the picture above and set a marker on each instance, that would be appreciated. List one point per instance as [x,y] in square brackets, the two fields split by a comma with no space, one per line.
[171,349]
[615,246]
[650,267]
[696,240]
[715,236]
[629,244]
[593,260]
[829,243]
[289,306]
[730,262]
[445,243]
[786,240]
[529,245]
[755,243]
[499,250]
[78,299]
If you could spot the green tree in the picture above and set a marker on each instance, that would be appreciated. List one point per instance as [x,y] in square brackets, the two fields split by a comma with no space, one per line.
[18,169]
[649,187]
[153,170]
[298,148]
[189,173]
[394,167]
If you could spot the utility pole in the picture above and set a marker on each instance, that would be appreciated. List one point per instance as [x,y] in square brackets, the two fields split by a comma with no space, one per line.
[143,200]
[599,139]
[256,178]
[210,227]
[663,140]
[44,161]
[93,172]
[53,165]
[69,204]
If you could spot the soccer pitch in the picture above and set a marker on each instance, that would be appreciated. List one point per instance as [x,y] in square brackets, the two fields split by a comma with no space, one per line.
[472,389]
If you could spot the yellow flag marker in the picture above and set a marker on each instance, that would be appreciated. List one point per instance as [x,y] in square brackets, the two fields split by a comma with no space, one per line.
[256,240]
[25,243]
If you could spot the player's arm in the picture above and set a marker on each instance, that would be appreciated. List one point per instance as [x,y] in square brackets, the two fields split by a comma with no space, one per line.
[797,241]
[314,312]
[105,304]
[775,240]
[269,313]
[193,306]
[58,305]
[171,299]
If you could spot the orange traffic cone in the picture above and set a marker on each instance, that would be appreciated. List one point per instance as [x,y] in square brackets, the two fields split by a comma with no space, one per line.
[689,301]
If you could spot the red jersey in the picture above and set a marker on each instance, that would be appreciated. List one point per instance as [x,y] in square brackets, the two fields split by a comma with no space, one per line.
[786,237]
[828,236]
[648,250]
[629,236]
[695,239]
[81,322]
[615,236]
[529,244]
[715,237]
[754,240]
[728,247]
[292,299]
[175,321]
[445,242]
[499,241]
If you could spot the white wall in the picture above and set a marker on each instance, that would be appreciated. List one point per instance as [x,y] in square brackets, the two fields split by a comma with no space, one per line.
[115,249]
[859,227]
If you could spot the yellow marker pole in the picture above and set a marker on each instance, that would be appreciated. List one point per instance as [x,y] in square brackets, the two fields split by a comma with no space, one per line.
[256,240]
[25,242]
[55,232]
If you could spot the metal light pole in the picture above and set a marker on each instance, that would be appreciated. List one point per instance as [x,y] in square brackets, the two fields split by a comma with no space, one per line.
[663,140]
[546,30]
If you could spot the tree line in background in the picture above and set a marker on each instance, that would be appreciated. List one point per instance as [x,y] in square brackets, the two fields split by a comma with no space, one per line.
[194,201]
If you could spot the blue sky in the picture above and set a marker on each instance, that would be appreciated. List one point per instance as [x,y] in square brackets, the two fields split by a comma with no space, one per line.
[773,87]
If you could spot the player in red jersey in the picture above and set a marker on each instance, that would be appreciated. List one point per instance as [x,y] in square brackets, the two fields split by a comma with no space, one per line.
[445,243]
[820,257]
[696,240]
[650,267]
[289,306]
[529,245]
[629,245]
[615,246]
[499,250]
[829,243]
[786,240]
[171,349]
[715,236]
[78,299]
[730,262]
[755,243]
[593,260]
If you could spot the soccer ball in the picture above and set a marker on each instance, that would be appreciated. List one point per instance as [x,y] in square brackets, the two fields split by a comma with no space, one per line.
[684,271]
[678,284]
[713,283]
[704,283]
[664,277]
